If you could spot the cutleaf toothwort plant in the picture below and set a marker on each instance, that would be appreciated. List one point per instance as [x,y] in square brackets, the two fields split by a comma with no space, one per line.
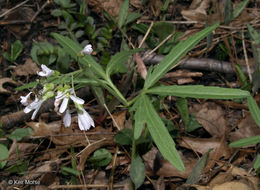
[63,94]
[140,107]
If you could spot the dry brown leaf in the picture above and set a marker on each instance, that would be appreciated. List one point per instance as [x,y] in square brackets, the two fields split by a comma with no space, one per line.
[197,11]
[202,145]
[23,14]
[164,168]
[141,68]
[119,118]
[29,68]
[43,129]
[6,81]
[246,128]
[185,81]
[51,154]
[211,117]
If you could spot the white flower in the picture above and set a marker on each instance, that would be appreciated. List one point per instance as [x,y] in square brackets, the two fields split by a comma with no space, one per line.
[35,105]
[87,50]
[24,99]
[66,96]
[67,118]
[84,120]
[46,72]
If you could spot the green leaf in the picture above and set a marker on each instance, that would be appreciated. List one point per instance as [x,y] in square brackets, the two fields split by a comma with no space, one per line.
[19,134]
[257,162]
[18,167]
[246,141]
[124,137]
[196,173]
[163,30]
[139,120]
[7,56]
[160,135]
[16,49]
[137,171]
[255,36]
[67,171]
[118,62]
[228,9]
[123,12]
[239,8]
[182,106]
[73,49]
[98,92]
[56,12]
[132,17]
[101,157]
[3,155]
[26,86]
[193,124]
[176,54]
[199,91]
[254,110]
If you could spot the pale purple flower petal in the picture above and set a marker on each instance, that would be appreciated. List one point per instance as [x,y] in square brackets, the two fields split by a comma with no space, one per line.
[64,104]
[87,50]
[77,99]
[67,118]
[46,72]
[24,99]
[84,120]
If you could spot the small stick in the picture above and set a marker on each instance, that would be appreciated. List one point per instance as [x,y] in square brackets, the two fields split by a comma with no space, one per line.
[10,10]
[246,58]
[117,126]
[145,36]
[38,12]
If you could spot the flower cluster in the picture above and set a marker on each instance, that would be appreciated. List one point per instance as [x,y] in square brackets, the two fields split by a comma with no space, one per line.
[63,95]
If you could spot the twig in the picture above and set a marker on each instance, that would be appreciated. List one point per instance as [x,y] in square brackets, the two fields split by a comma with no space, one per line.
[246,58]
[38,12]
[10,10]
[111,179]
[114,121]
[162,42]
[145,36]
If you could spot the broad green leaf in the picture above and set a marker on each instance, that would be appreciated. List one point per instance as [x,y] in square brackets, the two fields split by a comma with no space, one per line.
[199,91]
[101,157]
[3,155]
[118,61]
[160,135]
[137,171]
[257,162]
[56,12]
[73,49]
[254,110]
[182,106]
[193,124]
[139,121]
[7,56]
[123,12]
[19,134]
[176,54]
[68,171]
[196,173]
[246,141]
[124,137]
[239,8]
[163,30]
[16,49]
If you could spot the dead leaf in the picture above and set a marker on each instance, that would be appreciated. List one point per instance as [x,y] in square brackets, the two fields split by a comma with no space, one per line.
[141,68]
[197,10]
[163,167]
[246,128]
[6,81]
[202,145]
[119,118]
[29,68]
[211,117]
[22,14]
